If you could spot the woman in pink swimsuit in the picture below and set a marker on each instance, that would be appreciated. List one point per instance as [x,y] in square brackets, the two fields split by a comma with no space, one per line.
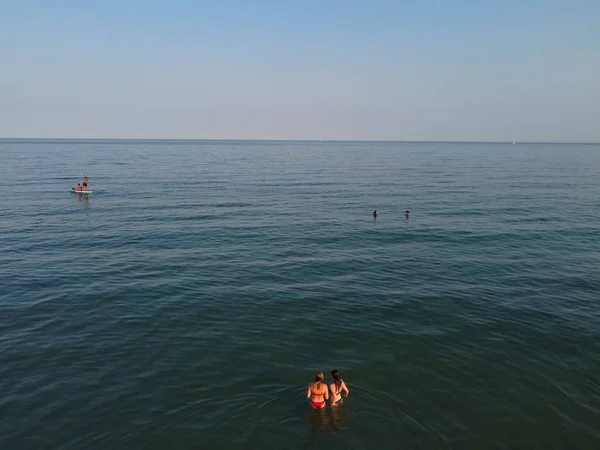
[317,392]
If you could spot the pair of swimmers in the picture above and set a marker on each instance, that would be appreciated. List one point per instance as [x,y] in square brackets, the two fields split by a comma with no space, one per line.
[318,392]
[376,213]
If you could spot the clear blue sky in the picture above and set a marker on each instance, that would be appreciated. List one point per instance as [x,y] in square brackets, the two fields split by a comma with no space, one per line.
[522,70]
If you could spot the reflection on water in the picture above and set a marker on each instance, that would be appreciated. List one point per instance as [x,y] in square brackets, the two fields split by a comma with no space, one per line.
[338,416]
[82,198]
[329,418]
[317,419]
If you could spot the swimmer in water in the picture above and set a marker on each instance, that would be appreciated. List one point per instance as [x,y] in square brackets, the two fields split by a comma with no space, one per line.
[407,214]
[317,392]
[337,387]
[375,214]
[84,181]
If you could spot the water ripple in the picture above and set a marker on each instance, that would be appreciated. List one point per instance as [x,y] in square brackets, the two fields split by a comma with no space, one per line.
[170,319]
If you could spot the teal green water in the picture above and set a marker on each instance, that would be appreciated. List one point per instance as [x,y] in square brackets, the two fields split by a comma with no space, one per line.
[189,299]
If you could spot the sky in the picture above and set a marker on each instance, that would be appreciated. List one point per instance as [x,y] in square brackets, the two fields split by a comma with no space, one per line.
[448,70]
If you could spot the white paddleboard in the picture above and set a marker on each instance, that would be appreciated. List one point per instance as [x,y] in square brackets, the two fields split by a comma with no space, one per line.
[80,192]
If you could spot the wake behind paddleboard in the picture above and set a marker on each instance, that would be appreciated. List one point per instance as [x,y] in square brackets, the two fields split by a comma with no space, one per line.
[80,192]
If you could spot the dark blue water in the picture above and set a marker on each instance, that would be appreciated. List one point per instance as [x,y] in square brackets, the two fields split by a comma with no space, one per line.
[190,298]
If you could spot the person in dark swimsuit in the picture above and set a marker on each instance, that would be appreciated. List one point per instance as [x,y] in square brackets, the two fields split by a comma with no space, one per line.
[337,387]
[317,392]
[85,180]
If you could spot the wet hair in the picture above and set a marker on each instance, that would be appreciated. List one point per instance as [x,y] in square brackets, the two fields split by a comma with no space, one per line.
[336,378]
[318,378]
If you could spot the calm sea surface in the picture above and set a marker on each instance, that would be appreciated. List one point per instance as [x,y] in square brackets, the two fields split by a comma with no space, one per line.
[187,302]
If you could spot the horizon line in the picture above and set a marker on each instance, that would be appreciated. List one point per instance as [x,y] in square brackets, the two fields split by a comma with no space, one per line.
[425,141]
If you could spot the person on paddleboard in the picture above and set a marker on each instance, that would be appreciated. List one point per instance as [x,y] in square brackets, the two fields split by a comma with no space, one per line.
[79,187]
[337,387]
[85,181]
[317,392]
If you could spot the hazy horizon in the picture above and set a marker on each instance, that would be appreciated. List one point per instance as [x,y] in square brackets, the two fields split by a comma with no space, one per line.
[229,70]
[91,139]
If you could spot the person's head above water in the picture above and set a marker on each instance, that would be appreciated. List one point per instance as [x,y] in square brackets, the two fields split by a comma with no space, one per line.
[375,213]
[335,374]
[319,377]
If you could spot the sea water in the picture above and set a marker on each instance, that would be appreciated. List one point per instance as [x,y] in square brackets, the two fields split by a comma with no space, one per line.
[188,301]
